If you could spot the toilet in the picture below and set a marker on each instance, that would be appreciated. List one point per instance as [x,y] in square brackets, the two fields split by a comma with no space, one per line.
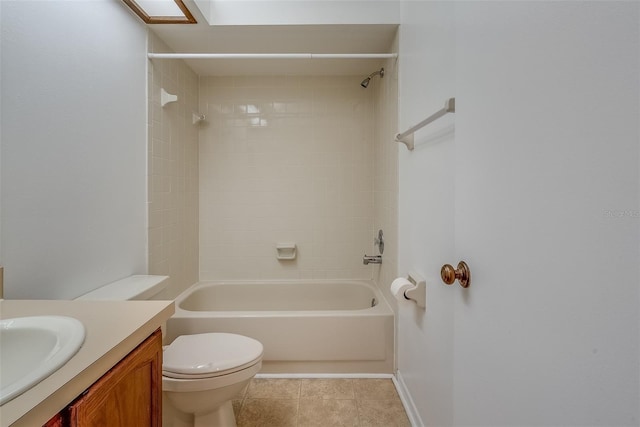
[201,373]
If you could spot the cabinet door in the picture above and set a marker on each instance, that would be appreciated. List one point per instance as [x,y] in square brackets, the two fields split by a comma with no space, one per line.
[130,394]
[56,421]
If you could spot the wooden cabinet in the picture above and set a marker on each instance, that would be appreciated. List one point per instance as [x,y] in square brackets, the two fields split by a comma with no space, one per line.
[130,394]
[56,421]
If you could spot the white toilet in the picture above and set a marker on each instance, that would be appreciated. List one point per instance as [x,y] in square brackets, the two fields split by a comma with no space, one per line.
[201,373]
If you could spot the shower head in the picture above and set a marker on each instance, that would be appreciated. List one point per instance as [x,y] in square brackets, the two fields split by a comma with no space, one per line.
[366,81]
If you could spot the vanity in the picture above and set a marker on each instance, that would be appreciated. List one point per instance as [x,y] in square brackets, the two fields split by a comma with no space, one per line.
[117,371]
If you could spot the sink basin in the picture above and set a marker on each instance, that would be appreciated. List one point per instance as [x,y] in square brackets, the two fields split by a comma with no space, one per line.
[32,348]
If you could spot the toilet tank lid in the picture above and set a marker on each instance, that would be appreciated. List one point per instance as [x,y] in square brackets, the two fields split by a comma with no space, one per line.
[138,287]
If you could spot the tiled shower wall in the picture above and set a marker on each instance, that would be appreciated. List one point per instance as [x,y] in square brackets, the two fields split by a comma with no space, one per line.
[172,172]
[286,159]
[386,172]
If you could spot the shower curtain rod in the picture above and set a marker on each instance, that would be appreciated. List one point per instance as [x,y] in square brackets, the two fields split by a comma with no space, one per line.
[272,55]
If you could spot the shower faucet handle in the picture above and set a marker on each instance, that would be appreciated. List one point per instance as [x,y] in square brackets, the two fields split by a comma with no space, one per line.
[379,242]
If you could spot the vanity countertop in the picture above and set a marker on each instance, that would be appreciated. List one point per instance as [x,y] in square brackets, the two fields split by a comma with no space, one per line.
[113,329]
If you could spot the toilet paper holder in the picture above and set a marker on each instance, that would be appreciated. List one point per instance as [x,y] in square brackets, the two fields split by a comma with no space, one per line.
[418,293]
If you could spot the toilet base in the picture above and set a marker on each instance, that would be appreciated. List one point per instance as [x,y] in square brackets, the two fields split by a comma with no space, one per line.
[208,401]
[222,417]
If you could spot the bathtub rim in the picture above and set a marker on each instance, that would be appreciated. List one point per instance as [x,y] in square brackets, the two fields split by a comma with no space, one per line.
[382,308]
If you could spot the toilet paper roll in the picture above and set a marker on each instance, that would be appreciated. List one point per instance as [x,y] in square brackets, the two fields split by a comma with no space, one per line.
[398,286]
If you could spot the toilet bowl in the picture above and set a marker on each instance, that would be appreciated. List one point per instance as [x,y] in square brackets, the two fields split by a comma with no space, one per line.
[201,374]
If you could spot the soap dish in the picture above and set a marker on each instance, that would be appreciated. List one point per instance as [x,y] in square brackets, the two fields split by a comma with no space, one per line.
[286,251]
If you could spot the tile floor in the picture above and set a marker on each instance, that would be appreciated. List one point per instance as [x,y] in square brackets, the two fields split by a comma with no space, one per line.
[267,402]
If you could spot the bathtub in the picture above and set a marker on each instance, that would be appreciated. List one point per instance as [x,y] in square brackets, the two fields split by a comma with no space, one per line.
[324,326]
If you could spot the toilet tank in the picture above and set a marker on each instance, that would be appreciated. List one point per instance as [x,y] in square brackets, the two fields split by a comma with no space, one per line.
[139,287]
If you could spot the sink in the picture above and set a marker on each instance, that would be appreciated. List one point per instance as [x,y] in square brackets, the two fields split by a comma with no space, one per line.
[34,347]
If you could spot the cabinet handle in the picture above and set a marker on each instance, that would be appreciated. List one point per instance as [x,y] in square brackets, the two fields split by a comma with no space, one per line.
[462,274]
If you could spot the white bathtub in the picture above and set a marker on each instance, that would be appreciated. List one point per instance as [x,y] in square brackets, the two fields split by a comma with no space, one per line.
[305,326]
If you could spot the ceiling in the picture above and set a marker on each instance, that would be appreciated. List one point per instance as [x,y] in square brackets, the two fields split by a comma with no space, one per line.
[203,38]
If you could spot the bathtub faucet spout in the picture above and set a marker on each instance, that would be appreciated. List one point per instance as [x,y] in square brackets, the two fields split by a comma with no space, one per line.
[371,259]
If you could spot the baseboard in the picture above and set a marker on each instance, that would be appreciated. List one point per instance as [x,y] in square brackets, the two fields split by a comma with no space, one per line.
[314,375]
[407,401]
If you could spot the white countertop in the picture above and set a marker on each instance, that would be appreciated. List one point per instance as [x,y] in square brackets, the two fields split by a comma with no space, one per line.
[113,329]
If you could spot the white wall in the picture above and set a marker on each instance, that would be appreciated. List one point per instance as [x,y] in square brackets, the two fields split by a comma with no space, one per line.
[426,209]
[1,291]
[73,146]
[544,178]
[302,12]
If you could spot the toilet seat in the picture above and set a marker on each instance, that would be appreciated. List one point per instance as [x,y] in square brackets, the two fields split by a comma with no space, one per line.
[210,355]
